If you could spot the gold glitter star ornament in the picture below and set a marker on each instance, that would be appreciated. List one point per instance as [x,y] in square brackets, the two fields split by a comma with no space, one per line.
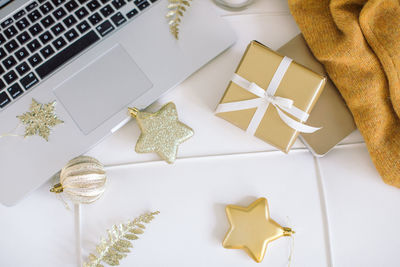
[162,132]
[251,229]
[40,119]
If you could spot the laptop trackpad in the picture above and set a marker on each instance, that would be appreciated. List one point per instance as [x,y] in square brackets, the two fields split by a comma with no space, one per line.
[103,88]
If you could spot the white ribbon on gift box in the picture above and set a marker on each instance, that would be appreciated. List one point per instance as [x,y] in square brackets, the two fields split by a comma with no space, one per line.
[266,97]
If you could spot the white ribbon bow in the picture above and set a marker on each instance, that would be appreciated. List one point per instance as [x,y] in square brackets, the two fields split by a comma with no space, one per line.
[266,97]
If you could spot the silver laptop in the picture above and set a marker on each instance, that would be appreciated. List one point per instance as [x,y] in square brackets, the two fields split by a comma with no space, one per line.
[94,58]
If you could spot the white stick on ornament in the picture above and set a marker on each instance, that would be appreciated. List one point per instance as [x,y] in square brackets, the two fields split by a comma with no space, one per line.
[83,180]
[78,239]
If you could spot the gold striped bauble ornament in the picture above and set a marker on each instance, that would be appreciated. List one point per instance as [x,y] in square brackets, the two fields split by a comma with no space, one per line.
[83,180]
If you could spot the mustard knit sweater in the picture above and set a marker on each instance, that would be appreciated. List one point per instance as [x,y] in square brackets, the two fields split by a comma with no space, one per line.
[358,41]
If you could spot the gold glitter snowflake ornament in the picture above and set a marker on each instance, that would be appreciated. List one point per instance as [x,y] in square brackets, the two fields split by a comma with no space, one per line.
[40,119]
[162,132]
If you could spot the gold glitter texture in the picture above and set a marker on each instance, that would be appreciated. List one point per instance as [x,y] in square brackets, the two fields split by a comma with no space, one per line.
[162,132]
[40,120]
[252,229]
[119,241]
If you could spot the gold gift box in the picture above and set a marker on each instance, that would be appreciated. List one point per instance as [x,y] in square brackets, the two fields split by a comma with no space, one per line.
[258,65]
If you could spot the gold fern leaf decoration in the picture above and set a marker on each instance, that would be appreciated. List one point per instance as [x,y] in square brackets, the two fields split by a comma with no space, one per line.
[119,241]
[175,13]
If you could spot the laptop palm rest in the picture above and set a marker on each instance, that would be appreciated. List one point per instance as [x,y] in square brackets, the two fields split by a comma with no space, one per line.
[101,89]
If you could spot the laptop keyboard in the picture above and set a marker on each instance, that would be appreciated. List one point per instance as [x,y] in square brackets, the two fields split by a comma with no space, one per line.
[43,35]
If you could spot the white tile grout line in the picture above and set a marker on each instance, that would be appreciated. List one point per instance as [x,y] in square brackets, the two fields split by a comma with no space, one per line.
[324,211]
[128,164]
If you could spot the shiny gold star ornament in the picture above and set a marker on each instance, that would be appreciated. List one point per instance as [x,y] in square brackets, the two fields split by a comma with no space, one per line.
[162,132]
[251,229]
[40,119]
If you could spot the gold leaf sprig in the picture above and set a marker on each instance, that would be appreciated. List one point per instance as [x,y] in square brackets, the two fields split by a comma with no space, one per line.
[176,10]
[119,241]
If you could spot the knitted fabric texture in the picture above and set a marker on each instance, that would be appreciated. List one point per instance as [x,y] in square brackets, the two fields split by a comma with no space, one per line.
[358,41]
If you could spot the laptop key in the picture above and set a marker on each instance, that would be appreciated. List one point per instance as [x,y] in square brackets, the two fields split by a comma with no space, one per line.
[83,26]
[23,38]
[45,37]
[118,3]
[2,85]
[47,21]
[69,21]
[132,13]
[22,68]
[22,24]
[21,54]
[118,19]
[47,51]
[81,13]
[10,77]
[2,39]
[95,18]
[34,15]
[29,80]
[82,1]
[11,46]
[107,10]
[6,23]
[9,62]
[57,29]
[93,5]
[71,35]
[68,53]
[19,14]
[143,5]
[105,28]
[15,90]
[33,46]
[46,8]
[4,99]
[59,13]
[71,5]
[10,32]
[57,2]
[59,43]
[35,29]
[35,60]
[3,53]
[31,6]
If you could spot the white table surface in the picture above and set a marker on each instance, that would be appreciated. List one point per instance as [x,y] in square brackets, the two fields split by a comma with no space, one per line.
[342,212]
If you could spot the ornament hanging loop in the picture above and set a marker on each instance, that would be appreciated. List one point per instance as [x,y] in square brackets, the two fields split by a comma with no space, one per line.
[288,231]
[133,112]
[58,188]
